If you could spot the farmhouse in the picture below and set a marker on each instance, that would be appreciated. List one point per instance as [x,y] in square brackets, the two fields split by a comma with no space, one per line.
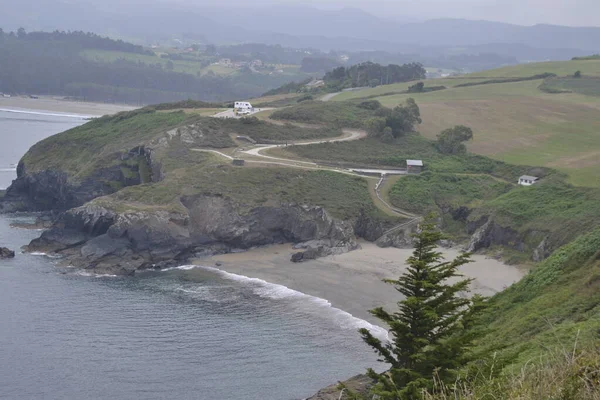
[414,166]
[527,180]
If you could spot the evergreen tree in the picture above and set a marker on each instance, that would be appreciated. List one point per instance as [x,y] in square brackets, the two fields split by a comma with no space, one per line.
[429,330]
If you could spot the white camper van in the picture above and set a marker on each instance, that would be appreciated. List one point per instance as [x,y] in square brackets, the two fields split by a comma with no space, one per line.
[242,107]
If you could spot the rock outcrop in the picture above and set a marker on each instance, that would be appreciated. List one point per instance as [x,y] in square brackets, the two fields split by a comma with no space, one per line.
[6,253]
[486,232]
[104,241]
[358,384]
[45,190]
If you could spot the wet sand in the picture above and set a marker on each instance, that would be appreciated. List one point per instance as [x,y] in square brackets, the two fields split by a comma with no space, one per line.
[56,104]
[353,281]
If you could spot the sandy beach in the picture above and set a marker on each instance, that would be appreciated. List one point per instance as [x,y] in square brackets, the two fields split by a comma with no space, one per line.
[353,281]
[58,105]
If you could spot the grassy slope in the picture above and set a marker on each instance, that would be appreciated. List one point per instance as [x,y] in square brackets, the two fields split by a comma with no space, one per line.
[386,90]
[547,307]
[432,192]
[337,114]
[589,67]
[100,142]
[589,86]
[559,210]
[516,122]
[541,334]
[551,206]
[263,131]
[80,150]
[248,187]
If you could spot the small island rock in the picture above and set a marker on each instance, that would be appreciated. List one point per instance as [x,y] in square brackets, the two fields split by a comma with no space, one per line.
[6,253]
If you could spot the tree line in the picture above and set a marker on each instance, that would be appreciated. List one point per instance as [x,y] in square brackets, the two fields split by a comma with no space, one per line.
[372,74]
[50,64]
[76,39]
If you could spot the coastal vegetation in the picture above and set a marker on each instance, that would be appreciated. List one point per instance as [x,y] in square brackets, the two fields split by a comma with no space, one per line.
[536,339]
[541,334]
[431,331]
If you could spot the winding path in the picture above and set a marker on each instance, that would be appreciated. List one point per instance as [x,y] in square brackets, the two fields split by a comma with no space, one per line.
[329,96]
[349,135]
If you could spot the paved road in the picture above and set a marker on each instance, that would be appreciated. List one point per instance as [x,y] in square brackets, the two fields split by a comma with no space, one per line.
[349,134]
[329,96]
[230,114]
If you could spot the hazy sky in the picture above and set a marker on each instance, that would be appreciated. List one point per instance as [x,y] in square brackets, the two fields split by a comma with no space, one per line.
[524,12]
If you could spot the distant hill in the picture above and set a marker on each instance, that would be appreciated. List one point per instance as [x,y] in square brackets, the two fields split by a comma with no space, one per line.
[94,68]
[302,26]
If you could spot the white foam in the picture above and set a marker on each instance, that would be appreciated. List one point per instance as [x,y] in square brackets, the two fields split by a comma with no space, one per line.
[8,169]
[275,291]
[183,267]
[92,275]
[32,112]
[39,253]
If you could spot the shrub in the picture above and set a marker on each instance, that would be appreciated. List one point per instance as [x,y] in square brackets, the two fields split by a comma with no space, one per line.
[370,105]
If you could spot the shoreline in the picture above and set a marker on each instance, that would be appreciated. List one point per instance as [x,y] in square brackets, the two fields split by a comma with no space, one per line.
[68,108]
[352,282]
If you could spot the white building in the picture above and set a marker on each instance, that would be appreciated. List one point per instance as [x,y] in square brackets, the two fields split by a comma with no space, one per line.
[527,180]
[414,166]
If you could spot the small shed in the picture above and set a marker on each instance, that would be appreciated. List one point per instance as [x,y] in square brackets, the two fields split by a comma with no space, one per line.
[414,166]
[238,162]
[527,180]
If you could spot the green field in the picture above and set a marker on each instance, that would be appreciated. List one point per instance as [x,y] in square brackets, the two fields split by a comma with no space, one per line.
[399,88]
[184,66]
[560,68]
[589,86]
[517,122]
[437,192]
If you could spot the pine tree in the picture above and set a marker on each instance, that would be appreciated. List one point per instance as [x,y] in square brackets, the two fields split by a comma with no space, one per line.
[429,331]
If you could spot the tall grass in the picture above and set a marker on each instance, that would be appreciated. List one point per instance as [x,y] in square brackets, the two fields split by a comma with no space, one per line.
[566,373]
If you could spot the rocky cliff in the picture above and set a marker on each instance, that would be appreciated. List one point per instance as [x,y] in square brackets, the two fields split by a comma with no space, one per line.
[486,232]
[104,241]
[55,189]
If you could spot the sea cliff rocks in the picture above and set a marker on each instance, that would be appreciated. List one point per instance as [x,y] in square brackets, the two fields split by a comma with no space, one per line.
[97,238]
[50,189]
[486,232]
[360,384]
[6,253]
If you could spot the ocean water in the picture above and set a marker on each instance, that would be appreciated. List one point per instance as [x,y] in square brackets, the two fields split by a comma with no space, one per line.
[184,333]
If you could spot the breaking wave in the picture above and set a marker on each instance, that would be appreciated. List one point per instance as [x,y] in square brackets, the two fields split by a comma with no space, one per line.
[92,275]
[275,291]
[49,114]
